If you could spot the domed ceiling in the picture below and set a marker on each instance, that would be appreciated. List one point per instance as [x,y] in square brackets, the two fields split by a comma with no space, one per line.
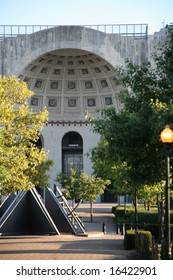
[70,82]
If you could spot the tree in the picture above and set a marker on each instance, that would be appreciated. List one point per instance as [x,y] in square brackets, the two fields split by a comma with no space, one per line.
[78,185]
[41,177]
[90,188]
[20,128]
[69,183]
[106,168]
[3,171]
[132,135]
[150,194]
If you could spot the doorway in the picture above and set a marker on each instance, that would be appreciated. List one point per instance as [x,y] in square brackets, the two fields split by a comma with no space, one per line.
[72,152]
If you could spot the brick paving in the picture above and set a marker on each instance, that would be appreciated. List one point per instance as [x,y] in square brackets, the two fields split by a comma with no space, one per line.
[95,246]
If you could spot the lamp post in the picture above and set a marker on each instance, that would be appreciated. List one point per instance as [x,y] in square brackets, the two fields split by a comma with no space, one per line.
[166,137]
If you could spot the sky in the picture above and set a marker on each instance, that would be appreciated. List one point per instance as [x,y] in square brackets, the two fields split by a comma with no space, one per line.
[155,13]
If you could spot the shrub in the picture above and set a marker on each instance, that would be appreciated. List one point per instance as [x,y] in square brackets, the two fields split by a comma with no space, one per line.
[119,211]
[129,240]
[144,243]
[154,229]
[146,217]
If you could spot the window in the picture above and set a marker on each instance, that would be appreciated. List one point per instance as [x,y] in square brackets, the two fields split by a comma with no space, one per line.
[72,152]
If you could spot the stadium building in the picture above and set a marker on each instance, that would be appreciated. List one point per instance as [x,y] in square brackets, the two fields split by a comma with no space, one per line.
[71,70]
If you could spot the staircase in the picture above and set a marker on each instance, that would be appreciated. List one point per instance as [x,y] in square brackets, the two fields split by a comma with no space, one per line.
[75,221]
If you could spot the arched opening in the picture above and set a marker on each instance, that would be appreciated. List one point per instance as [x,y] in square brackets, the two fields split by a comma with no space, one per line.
[72,152]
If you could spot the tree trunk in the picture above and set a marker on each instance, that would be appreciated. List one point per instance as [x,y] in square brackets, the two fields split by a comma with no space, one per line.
[125,204]
[91,211]
[77,205]
[136,211]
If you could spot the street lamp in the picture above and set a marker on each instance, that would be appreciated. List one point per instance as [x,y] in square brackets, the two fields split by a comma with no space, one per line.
[166,137]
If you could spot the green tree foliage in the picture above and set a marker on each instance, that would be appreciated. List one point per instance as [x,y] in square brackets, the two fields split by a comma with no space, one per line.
[20,129]
[131,136]
[90,188]
[78,185]
[105,167]
[41,177]
[69,183]
[3,171]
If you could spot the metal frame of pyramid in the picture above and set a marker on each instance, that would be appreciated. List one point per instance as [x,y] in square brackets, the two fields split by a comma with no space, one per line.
[28,213]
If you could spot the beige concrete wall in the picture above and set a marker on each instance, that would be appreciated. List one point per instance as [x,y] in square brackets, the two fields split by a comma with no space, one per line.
[17,53]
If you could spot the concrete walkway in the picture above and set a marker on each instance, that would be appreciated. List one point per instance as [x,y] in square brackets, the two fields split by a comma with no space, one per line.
[95,246]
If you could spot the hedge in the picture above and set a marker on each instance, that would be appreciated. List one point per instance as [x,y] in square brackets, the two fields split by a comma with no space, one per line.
[119,211]
[129,240]
[146,217]
[142,242]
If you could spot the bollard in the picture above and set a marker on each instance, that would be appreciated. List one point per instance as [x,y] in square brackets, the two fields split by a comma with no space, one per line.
[122,229]
[117,228]
[104,228]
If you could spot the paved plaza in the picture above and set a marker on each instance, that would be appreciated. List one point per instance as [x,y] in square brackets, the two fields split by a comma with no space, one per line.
[95,246]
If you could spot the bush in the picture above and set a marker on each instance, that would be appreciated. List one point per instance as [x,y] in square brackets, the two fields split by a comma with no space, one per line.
[154,229]
[119,211]
[129,240]
[144,243]
[146,217]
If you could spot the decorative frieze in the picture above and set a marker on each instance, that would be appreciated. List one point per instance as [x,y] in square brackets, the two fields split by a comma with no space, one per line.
[68,123]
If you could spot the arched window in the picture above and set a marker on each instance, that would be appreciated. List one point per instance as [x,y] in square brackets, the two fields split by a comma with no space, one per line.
[72,152]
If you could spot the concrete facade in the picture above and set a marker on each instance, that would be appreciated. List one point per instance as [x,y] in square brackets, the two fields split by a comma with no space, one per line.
[17,53]
[71,70]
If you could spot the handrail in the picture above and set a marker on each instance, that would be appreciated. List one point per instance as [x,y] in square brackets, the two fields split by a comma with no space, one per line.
[71,214]
[135,30]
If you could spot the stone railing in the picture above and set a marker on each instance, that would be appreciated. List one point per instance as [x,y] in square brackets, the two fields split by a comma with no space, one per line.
[136,30]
